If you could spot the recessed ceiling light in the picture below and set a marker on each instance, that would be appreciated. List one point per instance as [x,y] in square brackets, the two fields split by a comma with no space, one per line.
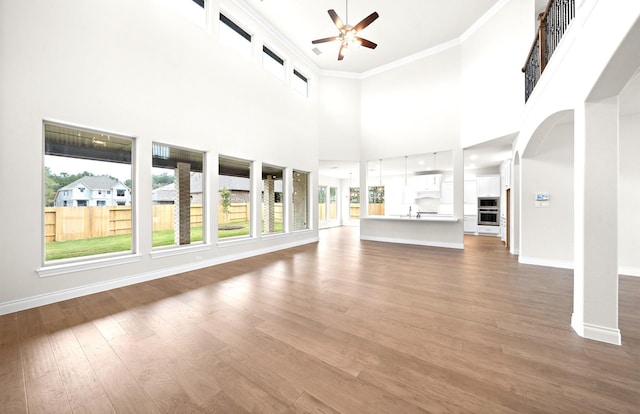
[316,51]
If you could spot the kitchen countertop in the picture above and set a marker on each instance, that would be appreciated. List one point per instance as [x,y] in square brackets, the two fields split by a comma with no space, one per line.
[423,217]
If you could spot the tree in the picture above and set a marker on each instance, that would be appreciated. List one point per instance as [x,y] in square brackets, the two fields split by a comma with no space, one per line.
[160,180]
[225,201]
[51,187]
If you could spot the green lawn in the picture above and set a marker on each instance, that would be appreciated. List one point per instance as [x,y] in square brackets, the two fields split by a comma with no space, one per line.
[110,244]
[122,243]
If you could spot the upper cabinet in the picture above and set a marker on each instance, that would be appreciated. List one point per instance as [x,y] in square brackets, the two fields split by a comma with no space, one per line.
[427,185]
[488,186]
[470,192]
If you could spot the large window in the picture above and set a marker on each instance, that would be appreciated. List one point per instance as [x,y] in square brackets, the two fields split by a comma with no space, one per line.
[234,195]
[234,36]
[88,192]
[177,195]
[354,203]
[300,200]
[322,203]
[333,203]
[327,203]
[272,211]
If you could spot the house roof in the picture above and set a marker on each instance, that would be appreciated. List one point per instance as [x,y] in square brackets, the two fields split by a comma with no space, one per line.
[93,182]
[167,192]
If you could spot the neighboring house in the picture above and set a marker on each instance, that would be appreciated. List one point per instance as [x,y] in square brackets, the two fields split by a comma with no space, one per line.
[93,191]
[238,186]
[167,193]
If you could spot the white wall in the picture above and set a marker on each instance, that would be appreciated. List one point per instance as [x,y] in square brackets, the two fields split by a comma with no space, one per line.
[547,233]
[416,106]
[139,69]
[492,91]
[629,197]
[339,119]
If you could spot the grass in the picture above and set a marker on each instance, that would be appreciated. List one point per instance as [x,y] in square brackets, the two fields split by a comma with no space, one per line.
[86,247]
[165,237]
[122,243]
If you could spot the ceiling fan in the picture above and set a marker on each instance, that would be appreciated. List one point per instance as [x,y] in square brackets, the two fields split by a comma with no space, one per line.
[348,34]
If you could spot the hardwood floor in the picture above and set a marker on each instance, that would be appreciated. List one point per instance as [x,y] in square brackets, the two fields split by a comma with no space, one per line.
[340,326]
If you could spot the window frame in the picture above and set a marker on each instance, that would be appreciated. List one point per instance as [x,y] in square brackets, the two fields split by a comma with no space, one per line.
[273,63]
[157,148]
[226,27]
[64,266]
[251,235]
[307,204]
[299,77]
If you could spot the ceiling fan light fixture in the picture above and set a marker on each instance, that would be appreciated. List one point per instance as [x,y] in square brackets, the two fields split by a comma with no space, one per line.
[348,36]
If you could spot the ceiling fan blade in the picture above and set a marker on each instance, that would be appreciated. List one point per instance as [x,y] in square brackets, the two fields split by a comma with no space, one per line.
[336,19]
[366,21]
[341,52]
[366,43]
[325,40]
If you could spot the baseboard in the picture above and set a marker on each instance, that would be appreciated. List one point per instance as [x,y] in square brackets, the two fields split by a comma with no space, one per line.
[629,271]
[415,242]
[596,332]
[561,264]
[566,264]
[48,298]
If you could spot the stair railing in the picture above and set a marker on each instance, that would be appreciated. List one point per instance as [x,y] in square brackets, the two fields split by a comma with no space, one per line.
[554,21]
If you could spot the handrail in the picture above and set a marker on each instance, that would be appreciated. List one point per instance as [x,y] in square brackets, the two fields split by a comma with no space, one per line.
[554,21]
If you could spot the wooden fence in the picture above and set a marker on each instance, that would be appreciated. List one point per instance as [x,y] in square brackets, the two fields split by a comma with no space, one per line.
[163,216]
[74,223]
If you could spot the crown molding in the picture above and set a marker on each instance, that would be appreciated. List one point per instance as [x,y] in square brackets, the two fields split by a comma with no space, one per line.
[273,31]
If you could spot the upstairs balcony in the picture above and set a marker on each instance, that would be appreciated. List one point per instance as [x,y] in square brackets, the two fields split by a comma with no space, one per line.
[553,23]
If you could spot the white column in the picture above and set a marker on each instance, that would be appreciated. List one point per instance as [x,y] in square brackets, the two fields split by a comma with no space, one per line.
[458,190]
[595,296]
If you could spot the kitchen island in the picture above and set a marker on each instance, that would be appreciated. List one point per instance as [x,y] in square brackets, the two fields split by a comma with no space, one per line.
[437,230]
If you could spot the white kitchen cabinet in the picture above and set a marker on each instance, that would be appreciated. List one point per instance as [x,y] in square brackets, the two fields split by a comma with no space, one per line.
[470,192]
[489,230]
[488,186]
[470,224]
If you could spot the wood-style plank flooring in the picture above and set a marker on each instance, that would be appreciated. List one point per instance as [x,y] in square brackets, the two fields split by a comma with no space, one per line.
[341,326]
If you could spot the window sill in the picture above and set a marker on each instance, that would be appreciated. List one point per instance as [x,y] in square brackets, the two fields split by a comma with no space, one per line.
[179,250]
[236,241]
[65,268]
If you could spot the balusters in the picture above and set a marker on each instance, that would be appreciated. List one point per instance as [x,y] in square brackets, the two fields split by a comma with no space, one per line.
[553,24]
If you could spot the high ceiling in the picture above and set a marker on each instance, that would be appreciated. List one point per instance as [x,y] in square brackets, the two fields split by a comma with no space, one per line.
[404,27]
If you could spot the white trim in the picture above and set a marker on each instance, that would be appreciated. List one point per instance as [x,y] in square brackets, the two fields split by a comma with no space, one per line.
[566,264]
[411,58]
[596,332]
[483,19]
[269,28]
[273,31]
[415,242]
[562,264]
[173,250]
[65,268]
[48,298]
[629,271]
